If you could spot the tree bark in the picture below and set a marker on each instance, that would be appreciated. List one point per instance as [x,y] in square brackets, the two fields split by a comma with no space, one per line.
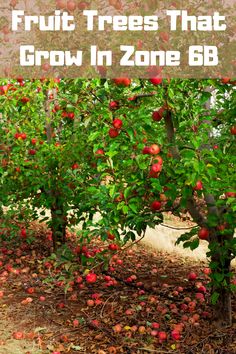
[223,307]
[58,224]
[58,214]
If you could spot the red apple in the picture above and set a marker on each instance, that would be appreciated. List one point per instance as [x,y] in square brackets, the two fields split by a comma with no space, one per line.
[158,159]
[154,333]
[113,247]
[25,99]
[175,335]
[99,152]
[225,80]
[113,105]
[198,186]
[23,233]
[192,276]
[82,5]
[20,79]
[91,278]
[79,280]
[71,5]
[164,36]
[23,136]
[75,166]
[117,123]
[4,89]
[156,205]
[201,289]
[90,302]
[203,233]
[71,115]
[110,236]
[18,335]
[233,130]
[146,150]
[156,167]
[113,133]
[207,271]
[162,336]
[222,227]
[32,152]
[61,4]
[230,194]
[157,115]
[57,107]
[155,325]
[84,249]
[117,328]
[75,323]
[122,81]
[30,290]
[154,149]
[200,297]
[133,98]
[33,141]
[156,80]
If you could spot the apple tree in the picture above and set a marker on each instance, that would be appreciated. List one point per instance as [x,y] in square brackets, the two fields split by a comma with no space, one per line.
[45,159]
[169,146]
[129,151]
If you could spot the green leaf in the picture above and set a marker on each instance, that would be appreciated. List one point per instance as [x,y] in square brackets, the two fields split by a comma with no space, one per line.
[76,347]
[194,244]
[112,191]
[67,266]
[127,192]
[93,136]
[131,134]
[214,297]
[187,244]
[205,96]
[218,277]
[125,209]
[133,207]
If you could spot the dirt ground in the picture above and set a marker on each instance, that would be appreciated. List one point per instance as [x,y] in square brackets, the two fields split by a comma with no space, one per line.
[8,345]
[146,286]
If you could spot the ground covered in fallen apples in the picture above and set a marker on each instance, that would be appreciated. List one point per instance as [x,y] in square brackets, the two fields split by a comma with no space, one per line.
[143,302]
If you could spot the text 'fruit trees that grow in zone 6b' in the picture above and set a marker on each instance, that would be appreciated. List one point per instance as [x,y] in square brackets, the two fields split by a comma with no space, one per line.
[100,39]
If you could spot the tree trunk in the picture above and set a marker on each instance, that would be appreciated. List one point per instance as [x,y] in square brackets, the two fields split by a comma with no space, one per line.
[223,307]
[58,224]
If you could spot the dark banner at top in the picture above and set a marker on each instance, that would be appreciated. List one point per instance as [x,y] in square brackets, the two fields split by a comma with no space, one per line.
[115,38]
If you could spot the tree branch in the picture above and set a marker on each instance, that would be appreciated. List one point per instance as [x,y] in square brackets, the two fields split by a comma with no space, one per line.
[171,135]
[195,212]
[211,204]
[191,204]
